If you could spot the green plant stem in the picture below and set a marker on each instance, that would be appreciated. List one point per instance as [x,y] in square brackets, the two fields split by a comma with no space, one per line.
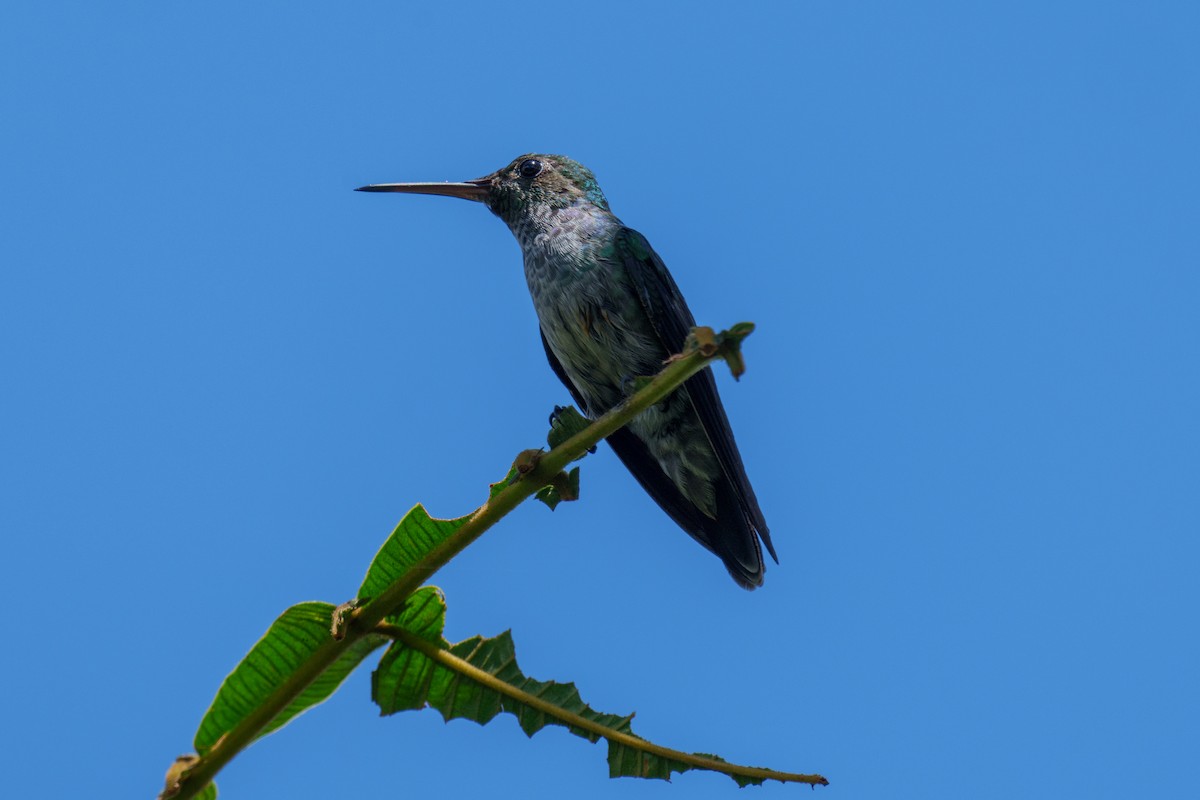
[463,667]
[391,600]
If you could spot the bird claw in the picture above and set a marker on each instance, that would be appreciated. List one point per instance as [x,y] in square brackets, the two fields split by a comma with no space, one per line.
[565,422]
[555,414]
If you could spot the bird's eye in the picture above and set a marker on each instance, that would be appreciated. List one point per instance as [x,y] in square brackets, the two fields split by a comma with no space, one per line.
[530,168]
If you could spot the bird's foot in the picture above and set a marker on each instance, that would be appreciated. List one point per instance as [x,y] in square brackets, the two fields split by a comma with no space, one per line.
[565,422]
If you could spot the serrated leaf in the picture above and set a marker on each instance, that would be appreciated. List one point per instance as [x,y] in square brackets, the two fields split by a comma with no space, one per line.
[548,495]
[502,484]
[459,697]
[415,536]
[629,762]
[424,614]
[408,678]
[287,644]
[740,330]
[564,488]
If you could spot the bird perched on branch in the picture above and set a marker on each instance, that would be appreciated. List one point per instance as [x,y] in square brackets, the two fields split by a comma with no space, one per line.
[610,312]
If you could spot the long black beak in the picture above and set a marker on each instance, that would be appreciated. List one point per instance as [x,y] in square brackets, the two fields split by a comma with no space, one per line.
[476,190]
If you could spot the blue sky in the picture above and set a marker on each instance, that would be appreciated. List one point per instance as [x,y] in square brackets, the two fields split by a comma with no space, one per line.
[967,233]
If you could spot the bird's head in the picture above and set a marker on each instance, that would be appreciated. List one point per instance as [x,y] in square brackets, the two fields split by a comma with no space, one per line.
[530,182]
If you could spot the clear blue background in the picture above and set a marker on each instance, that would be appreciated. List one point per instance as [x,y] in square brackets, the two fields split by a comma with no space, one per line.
[968,236]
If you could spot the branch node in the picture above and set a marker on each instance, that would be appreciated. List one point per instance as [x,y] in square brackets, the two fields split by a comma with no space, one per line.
[342,619]
[703,339]
[527,460]
[175,775]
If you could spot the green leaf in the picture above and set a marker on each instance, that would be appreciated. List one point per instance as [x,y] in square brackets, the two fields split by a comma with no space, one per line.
[549,495]
[629,762]
[421,668]
[572,484]
[564,487]
[286,645]
[396,688]
[731,345]
[413,539]
[499,486]
[456,696]
[424,615]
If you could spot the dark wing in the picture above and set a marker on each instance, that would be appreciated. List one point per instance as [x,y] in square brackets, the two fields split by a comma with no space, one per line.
[672,320]
[637,459]
[557,366]
[645,468]
[734,534]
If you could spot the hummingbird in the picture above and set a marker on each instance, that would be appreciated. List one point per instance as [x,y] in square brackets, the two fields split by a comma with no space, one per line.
[609,311]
